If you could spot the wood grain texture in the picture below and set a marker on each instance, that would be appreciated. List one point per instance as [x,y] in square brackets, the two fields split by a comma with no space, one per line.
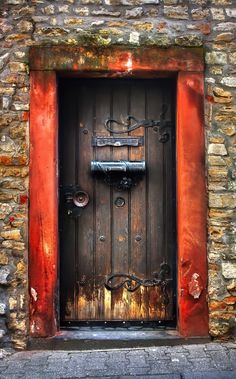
[145,59]
[43,226]
[191,192]
[106,239]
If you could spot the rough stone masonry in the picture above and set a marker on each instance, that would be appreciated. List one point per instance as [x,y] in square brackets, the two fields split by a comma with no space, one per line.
[161,23]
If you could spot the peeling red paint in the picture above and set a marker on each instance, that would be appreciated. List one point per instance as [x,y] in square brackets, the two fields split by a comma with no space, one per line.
[23,199]
[209,98]
[191,201]
[195,286]
[115,59]
[25,116]
[43,208]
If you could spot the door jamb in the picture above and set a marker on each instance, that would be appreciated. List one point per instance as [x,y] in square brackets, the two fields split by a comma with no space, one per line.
[187,64]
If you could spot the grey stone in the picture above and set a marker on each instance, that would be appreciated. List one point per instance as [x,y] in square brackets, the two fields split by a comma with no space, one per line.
[4,274]
[2,308]
[231,12]
[229,270]
[216,57]
[217,149]
[210,375]
[229,81]
[225,26]
[134,13]
[3,60]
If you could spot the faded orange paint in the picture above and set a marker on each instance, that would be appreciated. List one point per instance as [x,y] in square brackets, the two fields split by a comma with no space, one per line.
[43,229]
[116,59]
[191,204]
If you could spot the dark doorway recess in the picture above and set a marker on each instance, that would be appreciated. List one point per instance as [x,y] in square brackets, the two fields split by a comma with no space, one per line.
[117,201]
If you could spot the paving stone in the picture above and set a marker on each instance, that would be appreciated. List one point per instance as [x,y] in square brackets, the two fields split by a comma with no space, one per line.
[162,368]
[212,361]
[196,351]
[211,375]
[138,370]
[221,360]
[169,376]
[205,364]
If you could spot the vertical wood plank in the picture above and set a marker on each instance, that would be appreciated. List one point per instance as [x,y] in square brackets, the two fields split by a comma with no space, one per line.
[103,206]
[43,204]
[138,209]
[155,230]
[67,149]
[85,224]
[120,243]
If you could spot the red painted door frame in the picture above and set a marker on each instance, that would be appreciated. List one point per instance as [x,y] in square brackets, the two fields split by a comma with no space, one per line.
[187,65]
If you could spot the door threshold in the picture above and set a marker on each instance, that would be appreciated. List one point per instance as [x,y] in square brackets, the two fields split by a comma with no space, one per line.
[95,338]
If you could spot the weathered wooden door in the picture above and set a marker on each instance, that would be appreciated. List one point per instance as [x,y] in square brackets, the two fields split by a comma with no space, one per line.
[117,243]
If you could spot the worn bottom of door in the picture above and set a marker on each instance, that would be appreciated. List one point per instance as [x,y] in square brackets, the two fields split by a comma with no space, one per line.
[117,229]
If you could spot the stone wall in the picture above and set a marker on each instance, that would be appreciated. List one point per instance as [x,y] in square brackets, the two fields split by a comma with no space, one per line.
[163,23]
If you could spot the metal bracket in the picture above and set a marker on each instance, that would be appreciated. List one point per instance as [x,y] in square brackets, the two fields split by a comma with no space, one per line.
[75,200]
[131,282]
[131,123]
[123,175]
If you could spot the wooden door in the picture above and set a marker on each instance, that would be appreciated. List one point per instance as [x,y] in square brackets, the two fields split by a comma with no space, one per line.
[118,250]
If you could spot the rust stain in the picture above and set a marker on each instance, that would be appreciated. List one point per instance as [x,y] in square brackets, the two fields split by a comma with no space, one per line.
[121,238]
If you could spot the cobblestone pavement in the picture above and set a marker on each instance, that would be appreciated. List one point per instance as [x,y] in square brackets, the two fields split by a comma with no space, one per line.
[205,361]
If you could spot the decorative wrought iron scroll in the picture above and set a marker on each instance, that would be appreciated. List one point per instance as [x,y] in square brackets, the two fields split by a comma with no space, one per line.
[132,123]
[131,282]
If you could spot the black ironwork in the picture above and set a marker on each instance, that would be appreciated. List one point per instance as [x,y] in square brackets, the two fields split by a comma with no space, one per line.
[101,141]
[75,200]
[131,282]
[123,175]
[132,123]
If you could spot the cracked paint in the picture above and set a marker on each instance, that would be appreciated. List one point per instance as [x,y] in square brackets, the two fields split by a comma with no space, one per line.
[195,286]
[34,294]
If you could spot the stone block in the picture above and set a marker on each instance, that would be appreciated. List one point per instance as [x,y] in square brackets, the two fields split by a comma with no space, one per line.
[232,58]
[224,37]
[105,12]
[3,60]
[231,12]
[229,270]
[12,234]
[3,308]
[229,81]
[17,67]
[217,13]
[216,57]
[225,26]
[178,12]
[24,26]
[134,13]
[217,149]
[82,11]
[225,200]
[221,96]
[72,21]
[199,13]
[5,210]
[49,10]
[14,245]
[4,275]
[4,260]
